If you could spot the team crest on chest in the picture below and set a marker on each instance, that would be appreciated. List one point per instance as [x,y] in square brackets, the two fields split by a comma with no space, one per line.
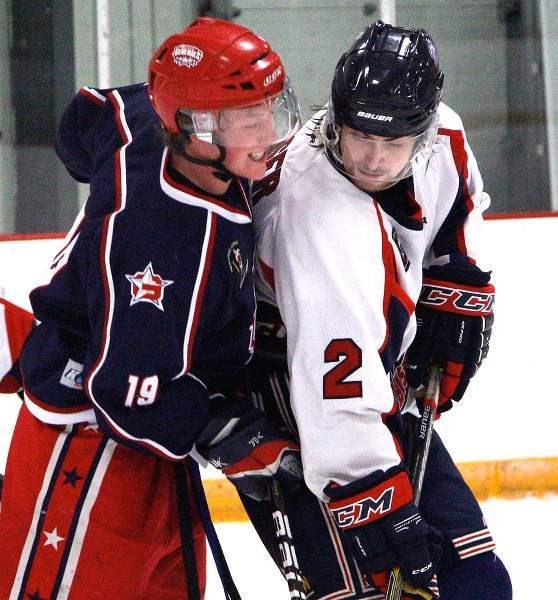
[148,286]
[237,263]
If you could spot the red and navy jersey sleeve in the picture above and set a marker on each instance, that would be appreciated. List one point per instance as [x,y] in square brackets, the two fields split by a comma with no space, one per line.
[15,325]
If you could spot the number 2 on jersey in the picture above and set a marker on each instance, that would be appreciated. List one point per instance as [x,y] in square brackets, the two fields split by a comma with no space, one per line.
[348,356]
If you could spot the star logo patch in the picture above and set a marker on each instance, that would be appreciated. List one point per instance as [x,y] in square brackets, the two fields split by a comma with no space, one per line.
[147,286]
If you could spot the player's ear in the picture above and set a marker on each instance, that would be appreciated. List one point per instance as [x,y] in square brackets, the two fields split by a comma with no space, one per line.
[175,142]
[201,149]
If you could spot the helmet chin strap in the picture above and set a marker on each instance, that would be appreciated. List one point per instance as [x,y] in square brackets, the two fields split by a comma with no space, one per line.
[221,172]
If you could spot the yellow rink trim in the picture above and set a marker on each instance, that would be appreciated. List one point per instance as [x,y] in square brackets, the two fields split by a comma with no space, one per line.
[490,479]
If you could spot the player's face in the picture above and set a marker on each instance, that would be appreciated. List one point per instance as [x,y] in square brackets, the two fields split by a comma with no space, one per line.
[373,162]
[247,134]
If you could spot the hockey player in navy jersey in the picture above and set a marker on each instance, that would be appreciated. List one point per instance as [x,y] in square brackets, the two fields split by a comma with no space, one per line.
[147,311]
[369,271]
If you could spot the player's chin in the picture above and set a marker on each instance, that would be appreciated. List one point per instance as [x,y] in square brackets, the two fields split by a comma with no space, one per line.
[369,184]
[252,167]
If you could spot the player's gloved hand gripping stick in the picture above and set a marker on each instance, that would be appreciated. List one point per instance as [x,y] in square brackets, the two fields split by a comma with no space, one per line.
[454,322]
[379,517]
[249,449]
[258,459]
[422,446]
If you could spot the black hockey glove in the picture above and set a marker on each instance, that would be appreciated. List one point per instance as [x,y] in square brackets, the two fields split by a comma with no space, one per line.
[385,529]
[454,323]
[250,451]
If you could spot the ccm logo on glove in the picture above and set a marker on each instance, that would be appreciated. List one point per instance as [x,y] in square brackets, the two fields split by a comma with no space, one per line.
[367,507]
[423,570]
[477,302]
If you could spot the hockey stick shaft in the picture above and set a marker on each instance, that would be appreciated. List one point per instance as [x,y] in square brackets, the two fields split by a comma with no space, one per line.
[418,468]
[291,570]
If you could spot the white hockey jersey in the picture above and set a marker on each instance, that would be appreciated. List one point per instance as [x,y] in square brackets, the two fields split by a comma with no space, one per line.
[345,269]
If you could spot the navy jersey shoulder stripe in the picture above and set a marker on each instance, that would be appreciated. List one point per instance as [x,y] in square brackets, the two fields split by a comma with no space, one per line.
[93,95]
[108,227]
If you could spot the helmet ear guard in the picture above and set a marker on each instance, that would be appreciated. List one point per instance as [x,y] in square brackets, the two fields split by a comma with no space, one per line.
[200,124]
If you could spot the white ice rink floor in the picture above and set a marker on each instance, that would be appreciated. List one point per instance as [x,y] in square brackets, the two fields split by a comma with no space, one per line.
[526,534]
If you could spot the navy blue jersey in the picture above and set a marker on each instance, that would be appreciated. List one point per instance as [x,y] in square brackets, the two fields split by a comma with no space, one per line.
[150,301]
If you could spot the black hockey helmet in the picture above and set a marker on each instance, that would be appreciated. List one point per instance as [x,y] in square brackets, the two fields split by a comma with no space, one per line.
[388,83]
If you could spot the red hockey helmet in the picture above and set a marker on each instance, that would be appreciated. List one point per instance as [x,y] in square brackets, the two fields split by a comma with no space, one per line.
[214,65]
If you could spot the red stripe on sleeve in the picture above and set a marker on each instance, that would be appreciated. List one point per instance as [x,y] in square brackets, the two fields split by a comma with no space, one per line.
[267,273]
[106,239]
[392,287]
[457,143]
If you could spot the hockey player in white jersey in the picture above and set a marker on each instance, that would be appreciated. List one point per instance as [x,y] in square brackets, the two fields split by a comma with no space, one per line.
[368,260]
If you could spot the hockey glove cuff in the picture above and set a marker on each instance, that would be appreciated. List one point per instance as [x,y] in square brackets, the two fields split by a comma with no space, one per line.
[250,451]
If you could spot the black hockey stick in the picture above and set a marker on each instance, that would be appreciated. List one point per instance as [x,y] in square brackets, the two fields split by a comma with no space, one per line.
[290,567]
[418,468]
[186,533]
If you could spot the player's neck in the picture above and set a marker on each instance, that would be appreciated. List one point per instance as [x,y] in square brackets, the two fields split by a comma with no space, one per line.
[200,175]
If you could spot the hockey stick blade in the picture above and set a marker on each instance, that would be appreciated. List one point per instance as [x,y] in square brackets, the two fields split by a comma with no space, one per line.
[430,405]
